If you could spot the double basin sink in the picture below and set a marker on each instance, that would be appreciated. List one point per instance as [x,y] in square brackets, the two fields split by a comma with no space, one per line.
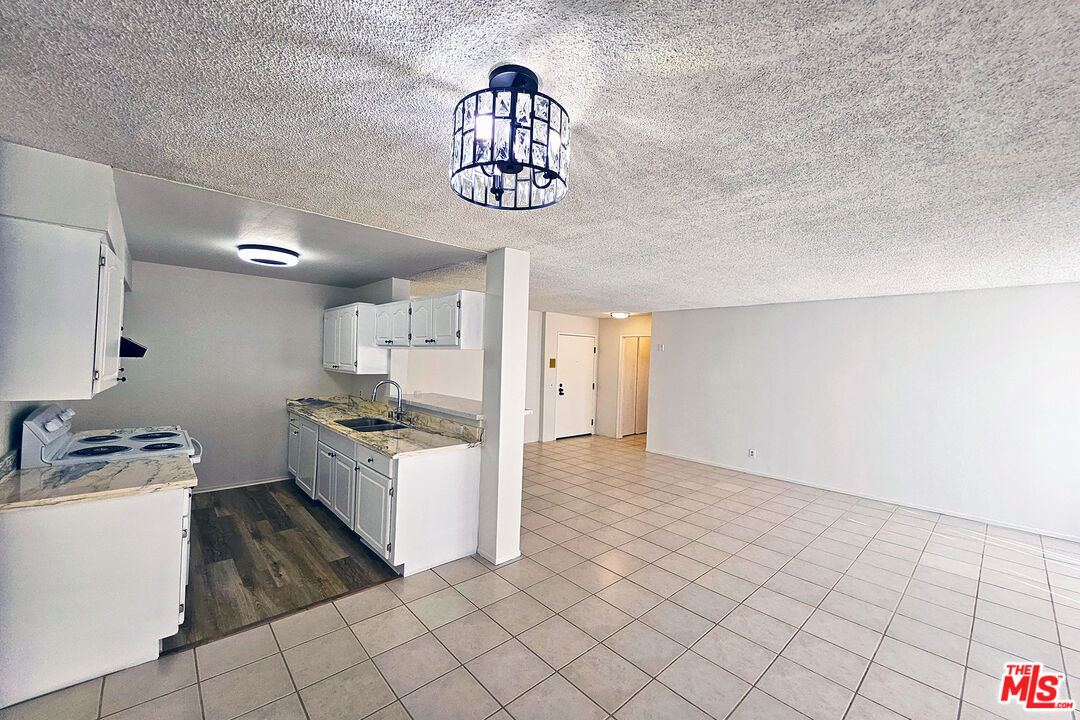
[370,424]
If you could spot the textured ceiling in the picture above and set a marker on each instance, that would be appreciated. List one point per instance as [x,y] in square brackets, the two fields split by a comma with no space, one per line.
[723,153]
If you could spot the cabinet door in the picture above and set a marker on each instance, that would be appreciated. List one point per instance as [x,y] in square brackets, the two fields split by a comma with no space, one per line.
[110,313]
[422,328]
[329,339]
[305,465]
[445,313]
[324,475]
[400,323]
[294,448]
[384,324]
[344,488]
[373,510]
[346,339]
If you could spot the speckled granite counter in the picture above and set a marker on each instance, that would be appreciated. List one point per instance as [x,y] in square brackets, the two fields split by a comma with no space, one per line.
[395,443]
[93,481]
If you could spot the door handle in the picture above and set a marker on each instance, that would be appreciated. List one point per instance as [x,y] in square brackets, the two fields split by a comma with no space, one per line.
[561,389]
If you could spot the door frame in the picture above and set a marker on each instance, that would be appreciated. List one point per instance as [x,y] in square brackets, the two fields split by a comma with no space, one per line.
[558,337]
[618,388]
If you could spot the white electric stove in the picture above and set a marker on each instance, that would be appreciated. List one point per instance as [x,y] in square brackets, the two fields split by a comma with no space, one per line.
[47,440]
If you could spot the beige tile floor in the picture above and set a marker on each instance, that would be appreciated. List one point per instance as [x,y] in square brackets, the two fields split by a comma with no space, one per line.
[652,588]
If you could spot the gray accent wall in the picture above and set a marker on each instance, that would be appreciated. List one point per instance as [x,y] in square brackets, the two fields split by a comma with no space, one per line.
[224,352]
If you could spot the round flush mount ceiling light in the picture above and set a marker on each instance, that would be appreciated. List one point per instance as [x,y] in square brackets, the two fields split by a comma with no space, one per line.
[620,315]
[268,255]
[511,144]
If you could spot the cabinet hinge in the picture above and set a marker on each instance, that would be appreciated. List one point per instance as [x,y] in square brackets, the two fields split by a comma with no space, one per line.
[97,375]
[594,351]
[459,333]
[459,303]
[594,386]
[183,533]
[410,309]
[181,607]
[410,336]
[592,422]
[391,492]
[388,545]
[357,313]
[101,261]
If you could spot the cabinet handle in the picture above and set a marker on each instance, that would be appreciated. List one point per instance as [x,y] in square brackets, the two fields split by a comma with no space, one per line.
[331,454]
[371,460]
[295,432]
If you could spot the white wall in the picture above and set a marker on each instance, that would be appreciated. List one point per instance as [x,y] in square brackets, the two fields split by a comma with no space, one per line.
[48,187]
[224,352]
[11,417]
[555,323]
[533,385]
[449,372]
[966,403]
[608,351]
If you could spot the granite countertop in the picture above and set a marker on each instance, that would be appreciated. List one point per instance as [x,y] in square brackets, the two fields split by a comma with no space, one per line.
[93,481]
[395,443]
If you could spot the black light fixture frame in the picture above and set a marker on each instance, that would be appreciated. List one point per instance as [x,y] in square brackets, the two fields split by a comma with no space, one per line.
[274,248]
[519,81]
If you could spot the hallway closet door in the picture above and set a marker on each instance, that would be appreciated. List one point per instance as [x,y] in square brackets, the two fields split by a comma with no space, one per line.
[633,385]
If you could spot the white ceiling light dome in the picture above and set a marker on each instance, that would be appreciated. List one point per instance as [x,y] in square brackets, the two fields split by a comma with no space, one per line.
[268,255]
[620,315]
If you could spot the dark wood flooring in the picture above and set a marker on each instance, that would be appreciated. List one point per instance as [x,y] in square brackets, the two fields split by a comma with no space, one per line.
[263,551]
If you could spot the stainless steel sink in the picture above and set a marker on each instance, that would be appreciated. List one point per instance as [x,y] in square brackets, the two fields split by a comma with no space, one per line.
[370,424]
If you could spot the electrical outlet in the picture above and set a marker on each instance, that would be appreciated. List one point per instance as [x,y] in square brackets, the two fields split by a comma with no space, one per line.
[751,453]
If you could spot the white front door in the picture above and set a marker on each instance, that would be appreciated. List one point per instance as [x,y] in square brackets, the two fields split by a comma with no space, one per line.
[575,375]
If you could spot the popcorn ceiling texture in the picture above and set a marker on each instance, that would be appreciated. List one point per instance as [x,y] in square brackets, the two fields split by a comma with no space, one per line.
[723,153]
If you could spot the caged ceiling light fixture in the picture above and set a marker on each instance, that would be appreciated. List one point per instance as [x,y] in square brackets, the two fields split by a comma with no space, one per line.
[511,144]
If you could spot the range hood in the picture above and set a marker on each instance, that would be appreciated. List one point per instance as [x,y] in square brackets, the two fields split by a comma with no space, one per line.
[131,349]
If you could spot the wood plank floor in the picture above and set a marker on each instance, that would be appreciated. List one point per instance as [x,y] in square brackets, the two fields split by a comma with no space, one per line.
[262,551]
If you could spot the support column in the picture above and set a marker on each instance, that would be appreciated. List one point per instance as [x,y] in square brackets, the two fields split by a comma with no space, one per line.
[506,322]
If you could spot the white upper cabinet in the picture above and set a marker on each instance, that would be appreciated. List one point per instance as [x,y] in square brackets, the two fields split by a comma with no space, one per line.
[453,320]
[392,324]
[422,324]
[349,341]
[60,315]
[109,319]
[447,320]
[329,339]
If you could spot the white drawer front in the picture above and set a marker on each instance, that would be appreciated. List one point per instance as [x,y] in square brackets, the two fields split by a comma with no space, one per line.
[374,461]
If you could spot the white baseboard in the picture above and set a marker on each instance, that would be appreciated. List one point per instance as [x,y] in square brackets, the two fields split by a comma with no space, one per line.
[241,483]
[878,498]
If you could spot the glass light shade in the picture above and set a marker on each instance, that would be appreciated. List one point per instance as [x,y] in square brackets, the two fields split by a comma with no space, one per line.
[619,315]
[268,255]
[510,147]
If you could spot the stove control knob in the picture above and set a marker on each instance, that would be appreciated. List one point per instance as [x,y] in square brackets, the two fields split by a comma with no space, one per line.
[67,414]
[51,425]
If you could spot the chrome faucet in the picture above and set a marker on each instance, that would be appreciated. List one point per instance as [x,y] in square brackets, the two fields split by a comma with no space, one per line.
[397,415]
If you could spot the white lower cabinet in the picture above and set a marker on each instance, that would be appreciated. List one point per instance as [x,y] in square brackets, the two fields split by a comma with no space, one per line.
[415,511]
[344,488]
[374,495]
[303,439]
[324,475]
